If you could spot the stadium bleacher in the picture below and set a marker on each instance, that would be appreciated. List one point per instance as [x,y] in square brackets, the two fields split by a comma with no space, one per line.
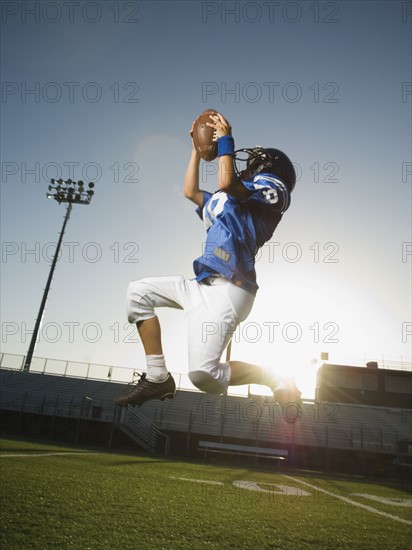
[259,421]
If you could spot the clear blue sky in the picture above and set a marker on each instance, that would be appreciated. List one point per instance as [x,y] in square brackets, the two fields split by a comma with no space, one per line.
[107,91]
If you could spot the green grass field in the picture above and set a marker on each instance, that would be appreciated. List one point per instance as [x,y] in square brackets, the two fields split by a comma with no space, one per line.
[58,497]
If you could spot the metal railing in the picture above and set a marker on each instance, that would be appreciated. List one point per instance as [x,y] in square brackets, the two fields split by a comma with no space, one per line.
[75,369]
[92,371]
[112,373]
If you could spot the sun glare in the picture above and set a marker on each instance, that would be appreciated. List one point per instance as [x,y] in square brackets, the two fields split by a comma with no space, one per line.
[302,370]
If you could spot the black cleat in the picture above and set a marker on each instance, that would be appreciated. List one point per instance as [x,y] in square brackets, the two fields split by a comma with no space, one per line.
[145,390]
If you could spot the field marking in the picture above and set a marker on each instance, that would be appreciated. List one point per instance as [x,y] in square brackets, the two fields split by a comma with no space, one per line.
[207,481]
[252,486]
[286,490]
[37,455]
[384,500]
[350,501]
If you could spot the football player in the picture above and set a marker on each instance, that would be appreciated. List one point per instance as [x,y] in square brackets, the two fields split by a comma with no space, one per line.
[255,187]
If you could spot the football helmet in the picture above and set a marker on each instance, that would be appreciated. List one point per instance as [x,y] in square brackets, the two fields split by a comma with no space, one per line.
[249,162]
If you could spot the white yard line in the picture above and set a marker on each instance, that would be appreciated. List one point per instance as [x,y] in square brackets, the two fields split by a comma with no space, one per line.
[207,481]
[350,501]
[383,500]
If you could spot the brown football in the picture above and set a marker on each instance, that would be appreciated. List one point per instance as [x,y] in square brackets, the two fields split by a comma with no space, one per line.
[203,136]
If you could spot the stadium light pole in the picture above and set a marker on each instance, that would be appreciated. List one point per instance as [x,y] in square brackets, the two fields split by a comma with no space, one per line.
[70,192]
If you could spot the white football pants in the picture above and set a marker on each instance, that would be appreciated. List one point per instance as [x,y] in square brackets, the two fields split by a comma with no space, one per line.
[213,312]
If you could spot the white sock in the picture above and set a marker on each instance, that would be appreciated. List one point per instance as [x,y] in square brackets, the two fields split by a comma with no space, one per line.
[156,368]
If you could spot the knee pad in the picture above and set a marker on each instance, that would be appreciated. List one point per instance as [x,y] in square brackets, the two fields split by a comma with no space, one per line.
[214,379]
[139,306]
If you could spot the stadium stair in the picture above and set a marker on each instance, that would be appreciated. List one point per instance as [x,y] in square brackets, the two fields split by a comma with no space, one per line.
[141,430]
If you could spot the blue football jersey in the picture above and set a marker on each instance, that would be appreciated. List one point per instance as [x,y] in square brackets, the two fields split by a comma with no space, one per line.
[236,229]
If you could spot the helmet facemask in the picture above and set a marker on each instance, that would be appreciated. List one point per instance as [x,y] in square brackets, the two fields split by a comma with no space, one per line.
[249,162]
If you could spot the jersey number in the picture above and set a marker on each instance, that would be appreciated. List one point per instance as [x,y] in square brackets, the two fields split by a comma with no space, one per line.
[213,209]
[270,196]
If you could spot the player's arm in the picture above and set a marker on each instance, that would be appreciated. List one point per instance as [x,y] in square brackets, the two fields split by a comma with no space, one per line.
[191,188]
[227,178]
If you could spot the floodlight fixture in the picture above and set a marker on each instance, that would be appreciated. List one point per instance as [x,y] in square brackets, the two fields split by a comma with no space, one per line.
[69,191]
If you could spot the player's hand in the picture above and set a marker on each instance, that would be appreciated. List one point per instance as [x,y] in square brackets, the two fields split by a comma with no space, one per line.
[194,150]
[220,125]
